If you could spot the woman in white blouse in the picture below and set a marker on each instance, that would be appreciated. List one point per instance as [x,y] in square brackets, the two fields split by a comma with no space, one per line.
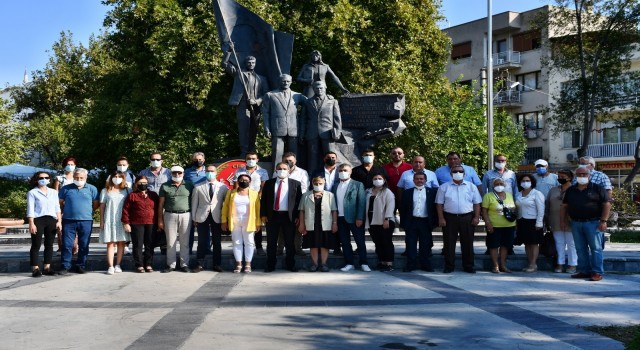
[43,213]
[380,220]
[530,203]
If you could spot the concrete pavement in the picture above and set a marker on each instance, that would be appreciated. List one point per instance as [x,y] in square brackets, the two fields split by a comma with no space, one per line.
[334,310]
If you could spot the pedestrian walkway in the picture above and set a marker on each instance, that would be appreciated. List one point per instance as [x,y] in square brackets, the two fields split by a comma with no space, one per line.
[334,310]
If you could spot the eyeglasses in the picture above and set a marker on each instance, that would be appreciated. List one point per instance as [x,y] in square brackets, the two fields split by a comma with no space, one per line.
[176,172]
[43,178]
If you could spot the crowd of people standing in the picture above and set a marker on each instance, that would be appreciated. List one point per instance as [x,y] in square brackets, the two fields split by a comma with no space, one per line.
[322,211]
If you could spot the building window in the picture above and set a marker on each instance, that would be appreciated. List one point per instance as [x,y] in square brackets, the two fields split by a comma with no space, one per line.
[531,120]
[527,41]
[533,154]
[529,81]
[571,139]
[501,45]
[462,50]
[617,135]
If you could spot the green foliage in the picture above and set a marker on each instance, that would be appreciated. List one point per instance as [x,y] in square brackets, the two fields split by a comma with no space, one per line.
[12,131]
[624,206]
[13,198]
[153,81]
[592,43]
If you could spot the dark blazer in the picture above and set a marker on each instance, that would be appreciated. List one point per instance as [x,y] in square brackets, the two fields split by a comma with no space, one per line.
[406,208]
[269,196]
[281,115]
[320,172]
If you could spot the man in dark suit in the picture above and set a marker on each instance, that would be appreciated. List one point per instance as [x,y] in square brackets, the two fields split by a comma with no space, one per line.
[279,209]
[246,96]
[418,218]
[281,118]
[320,124]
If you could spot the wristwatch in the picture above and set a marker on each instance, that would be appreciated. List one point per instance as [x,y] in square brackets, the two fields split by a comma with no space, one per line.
[603,221]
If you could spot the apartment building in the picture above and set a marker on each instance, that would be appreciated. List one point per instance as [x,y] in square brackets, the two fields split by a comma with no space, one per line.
[524,92]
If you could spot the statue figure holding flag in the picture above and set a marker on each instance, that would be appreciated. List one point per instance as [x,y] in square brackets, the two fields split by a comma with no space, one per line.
[246,96]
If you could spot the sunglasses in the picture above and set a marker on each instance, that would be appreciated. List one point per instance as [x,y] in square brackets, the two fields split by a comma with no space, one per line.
[176,172]
[43,178]
[458,172]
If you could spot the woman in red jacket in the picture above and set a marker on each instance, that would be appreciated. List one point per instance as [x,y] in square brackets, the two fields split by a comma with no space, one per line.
[138,217]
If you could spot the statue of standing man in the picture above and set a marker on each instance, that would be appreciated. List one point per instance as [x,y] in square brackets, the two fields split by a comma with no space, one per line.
[316,70]
[281,118]
[320,125]
[246,96]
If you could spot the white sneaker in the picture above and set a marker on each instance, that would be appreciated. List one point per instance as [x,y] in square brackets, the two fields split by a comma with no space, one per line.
[110,271]
[118,269]
[347,268]
[365,268]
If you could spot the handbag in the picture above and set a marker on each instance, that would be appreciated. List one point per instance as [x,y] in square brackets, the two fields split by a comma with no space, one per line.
[508,213]
[548,246]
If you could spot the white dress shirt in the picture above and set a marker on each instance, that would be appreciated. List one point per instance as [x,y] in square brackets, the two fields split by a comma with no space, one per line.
[340,192]
[284,197]
[458,198]
[420,203]
[329,178]
[531,206]
[299,175]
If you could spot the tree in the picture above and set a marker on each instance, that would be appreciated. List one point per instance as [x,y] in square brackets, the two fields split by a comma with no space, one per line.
[11,135]
[591,44]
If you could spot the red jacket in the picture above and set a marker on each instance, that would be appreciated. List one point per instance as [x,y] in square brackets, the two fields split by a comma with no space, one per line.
[139,210]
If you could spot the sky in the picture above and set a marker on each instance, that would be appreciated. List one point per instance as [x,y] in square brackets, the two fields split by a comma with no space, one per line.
[28,28]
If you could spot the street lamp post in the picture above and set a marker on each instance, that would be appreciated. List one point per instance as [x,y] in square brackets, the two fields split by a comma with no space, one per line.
[489,85]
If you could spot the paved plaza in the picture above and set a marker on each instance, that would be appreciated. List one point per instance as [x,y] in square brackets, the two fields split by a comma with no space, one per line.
[335,310]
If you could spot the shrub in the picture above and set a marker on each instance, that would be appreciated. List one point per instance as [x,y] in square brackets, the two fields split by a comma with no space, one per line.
[13,198]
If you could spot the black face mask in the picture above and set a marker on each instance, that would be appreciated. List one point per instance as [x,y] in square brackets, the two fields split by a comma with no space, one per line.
[197,163]
[143,187]
[330,162]
[562,181]
[243,184]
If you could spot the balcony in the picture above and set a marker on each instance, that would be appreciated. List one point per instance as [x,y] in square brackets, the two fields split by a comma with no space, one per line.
[611,150]
[506,59]
[508,99]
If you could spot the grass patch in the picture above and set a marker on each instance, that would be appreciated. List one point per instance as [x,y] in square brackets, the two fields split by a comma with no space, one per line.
[628,335]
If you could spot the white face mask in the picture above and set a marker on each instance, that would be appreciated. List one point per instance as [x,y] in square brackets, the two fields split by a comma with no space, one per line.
[344,175]
[378,182]
[70,168]
[156,163]
[500,165]
[458,176]
[251,163]
[499,189]
[525,184]
[43,182]
[116,180]
[79,183]
[318,188]
[367,159]
[582,180]
[176,178]
[583,166]
[122,168]
[282,174]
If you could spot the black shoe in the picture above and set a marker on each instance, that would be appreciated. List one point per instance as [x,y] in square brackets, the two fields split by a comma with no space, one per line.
[403,253]
[486,252]
[168,269]
[301,253]
[198,269]
[408,269]
[470,270]
[313,268]
[260,251]
[427,269]
[511,252]
[380,266]
[36,273]
[279,253]
[63,272]
[293,269]
[217,268]
[184,269]
[269,269]
[447,270]
[324,268]
[337,252]
[80,270]
[49,272]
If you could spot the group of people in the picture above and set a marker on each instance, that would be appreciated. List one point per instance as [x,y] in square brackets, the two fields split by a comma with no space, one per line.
[322,212]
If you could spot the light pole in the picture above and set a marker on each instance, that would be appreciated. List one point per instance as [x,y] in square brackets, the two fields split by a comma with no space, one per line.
[489,85]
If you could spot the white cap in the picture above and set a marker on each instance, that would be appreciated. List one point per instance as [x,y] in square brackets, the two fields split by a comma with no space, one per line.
[177,168]
[541,162]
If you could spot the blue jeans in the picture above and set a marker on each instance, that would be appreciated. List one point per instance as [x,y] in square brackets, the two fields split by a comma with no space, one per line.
[587,238]
[69,230]
[345,230]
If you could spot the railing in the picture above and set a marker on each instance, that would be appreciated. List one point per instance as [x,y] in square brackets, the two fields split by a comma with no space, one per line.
[506,57]
[608,150]
[508,97]
[532,154]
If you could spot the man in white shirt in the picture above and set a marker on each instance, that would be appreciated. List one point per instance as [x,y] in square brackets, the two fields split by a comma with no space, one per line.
[458,206]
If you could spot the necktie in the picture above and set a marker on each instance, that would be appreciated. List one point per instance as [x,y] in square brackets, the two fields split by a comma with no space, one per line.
[277,205]
[210,191]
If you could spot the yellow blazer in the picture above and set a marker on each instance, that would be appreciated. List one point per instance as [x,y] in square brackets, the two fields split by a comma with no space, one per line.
[229,210]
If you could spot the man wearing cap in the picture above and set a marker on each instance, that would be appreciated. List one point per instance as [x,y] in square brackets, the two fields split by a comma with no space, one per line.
[587,204]
[174,216]
[545,180]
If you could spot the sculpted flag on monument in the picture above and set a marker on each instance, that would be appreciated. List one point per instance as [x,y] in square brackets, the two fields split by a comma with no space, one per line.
[252,36]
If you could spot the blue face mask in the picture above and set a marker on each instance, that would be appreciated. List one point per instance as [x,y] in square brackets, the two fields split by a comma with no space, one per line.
[541,171]
[210,175]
